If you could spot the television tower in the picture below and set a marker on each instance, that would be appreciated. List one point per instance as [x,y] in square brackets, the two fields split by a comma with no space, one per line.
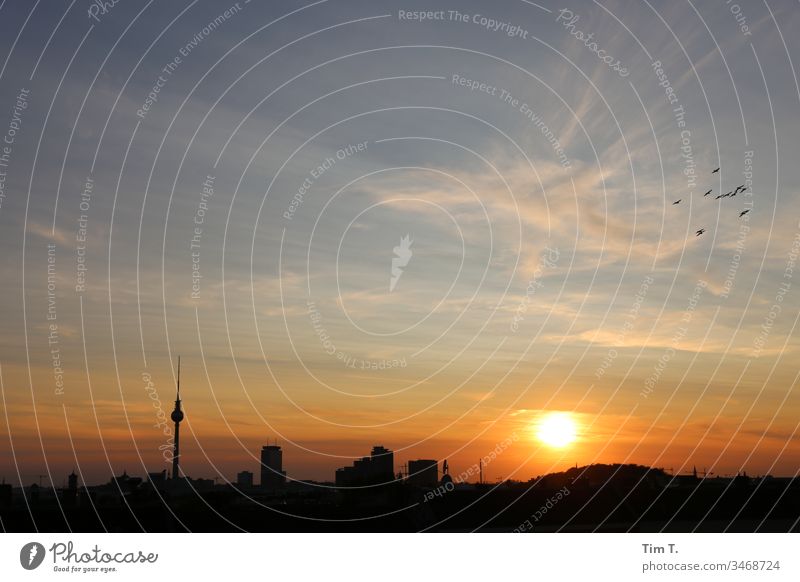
[177,417]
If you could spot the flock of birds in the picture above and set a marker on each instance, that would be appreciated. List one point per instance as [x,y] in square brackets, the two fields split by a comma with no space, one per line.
[730,194]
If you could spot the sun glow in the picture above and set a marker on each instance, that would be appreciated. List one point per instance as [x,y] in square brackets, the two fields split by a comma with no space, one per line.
[556,429]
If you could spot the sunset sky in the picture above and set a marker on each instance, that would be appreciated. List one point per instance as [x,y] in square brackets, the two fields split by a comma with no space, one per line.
[283,153]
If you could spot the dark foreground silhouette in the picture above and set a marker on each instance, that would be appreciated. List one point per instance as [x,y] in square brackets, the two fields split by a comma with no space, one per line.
[601,498]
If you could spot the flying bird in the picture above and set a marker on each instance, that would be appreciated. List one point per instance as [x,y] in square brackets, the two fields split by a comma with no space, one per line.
[719,196]
[678,201]
[715,171]
[743,189]
[699,232]
[707,193]
[743,212]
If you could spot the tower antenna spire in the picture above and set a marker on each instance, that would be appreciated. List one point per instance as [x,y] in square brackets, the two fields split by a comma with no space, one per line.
[177,417]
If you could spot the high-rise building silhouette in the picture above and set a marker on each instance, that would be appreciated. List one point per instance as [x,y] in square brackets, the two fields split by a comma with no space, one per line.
[383,463]
[377,468]
[177,417]
[244,479]
[272,474]
[423,473]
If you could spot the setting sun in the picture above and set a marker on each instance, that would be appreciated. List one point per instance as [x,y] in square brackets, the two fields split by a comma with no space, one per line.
[556,429]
